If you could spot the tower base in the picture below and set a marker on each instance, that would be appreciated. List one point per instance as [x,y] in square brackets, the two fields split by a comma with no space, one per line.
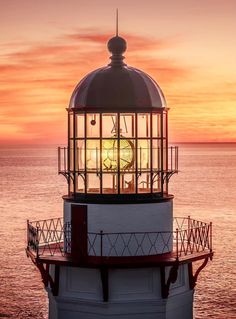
[135,293]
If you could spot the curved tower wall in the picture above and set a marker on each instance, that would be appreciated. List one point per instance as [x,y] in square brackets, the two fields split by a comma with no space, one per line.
[128,218]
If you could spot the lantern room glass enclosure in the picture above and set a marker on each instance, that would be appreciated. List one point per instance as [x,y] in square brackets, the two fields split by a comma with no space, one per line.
[117,153]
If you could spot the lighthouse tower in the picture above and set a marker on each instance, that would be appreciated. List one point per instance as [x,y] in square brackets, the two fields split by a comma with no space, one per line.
[118,252]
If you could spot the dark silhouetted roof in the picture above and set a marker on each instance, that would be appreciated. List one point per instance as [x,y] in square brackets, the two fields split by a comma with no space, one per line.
[117,87]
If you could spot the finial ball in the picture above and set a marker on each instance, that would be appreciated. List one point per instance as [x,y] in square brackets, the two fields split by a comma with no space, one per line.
[117,45]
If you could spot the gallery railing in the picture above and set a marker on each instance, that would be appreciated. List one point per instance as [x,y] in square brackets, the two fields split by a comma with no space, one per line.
[172,159]
[52,237]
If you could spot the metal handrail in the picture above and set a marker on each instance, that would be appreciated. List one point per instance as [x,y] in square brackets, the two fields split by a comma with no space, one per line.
[172,160]
[53,237]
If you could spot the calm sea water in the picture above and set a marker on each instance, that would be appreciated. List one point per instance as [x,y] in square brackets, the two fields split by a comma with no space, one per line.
[30,188]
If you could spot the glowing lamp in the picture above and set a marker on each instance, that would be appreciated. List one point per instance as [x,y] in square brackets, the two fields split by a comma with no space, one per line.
[110,154]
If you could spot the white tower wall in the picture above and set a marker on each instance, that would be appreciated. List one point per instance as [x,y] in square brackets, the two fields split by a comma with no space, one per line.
[133,293]
[126,217]
[123,218]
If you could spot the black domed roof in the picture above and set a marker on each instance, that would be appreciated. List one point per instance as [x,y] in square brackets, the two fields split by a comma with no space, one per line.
[117,87]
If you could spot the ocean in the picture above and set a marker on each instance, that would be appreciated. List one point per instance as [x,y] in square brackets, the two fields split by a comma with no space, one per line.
[205,189]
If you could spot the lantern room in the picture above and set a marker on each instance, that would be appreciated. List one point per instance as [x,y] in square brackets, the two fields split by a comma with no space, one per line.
[117,135]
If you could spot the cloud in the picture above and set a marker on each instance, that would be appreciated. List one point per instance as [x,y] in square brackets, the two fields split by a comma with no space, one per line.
[37,81]
[134,42]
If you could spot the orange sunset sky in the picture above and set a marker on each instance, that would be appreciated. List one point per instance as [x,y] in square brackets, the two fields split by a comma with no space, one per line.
[188,47]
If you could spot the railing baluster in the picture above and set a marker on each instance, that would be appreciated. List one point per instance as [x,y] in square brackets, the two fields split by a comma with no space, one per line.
[177,242]
[188,236]
[64,149]
[101,243]
[59,159]
[177,158]
[210,236]
[37,242]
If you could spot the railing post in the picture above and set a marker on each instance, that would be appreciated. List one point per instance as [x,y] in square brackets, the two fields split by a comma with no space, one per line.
[177,158]
[64,155]
[177,242]
[58,159]
[37,241]
[189,226]
[101,243]
[66,241]
[210,236]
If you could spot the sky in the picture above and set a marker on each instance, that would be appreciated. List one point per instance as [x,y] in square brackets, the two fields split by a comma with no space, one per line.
[187,46]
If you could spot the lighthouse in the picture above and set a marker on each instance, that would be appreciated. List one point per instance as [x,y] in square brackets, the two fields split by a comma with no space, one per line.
[118,252]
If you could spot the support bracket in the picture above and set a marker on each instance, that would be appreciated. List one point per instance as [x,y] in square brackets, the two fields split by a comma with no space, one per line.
[173,274]
[47,279]
[105,283]
[193,277]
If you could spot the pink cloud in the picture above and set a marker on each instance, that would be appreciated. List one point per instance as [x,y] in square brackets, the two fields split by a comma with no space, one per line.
[37,82]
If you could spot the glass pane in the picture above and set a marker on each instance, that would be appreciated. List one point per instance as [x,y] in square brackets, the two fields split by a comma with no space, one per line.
[79,124]
[109,125]
[164,125]
[156,125]
[93,183]
[143,154]
[71,115]
[144,183]
[71,155]
[80,155]
[93,125]
[93,155]
[127,125]
[165,159]
[109,183]
[127,183]
[109,155]
[79,184]
[156,154]
[127,154]
[144,125]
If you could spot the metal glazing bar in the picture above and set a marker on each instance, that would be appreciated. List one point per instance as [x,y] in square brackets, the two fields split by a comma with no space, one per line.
[85,154]
[101,174]
[140,161]
[68,148]
[136,153]
[151,151]
[147,126]
[118,145]
[74,150]
[166,145]
[133,125]
[162,155]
